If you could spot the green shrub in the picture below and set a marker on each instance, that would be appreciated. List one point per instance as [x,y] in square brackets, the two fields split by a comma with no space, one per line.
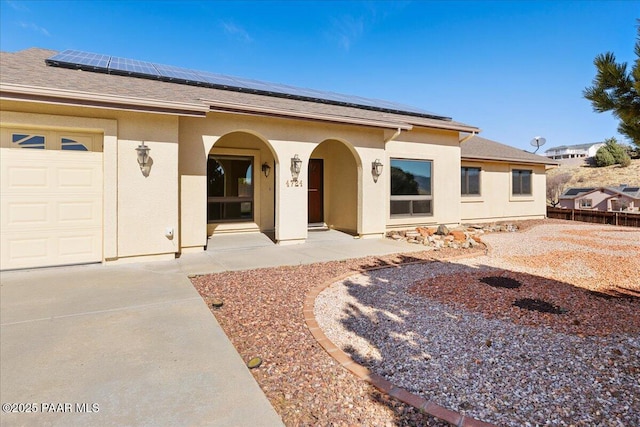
[612,153]
[604,157]
[617,151]
[625,161]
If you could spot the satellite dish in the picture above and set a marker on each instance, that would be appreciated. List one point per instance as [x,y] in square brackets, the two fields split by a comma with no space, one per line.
[538,142]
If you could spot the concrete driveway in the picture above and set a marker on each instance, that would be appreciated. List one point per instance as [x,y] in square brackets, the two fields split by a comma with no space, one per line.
[96,345]
[135,344]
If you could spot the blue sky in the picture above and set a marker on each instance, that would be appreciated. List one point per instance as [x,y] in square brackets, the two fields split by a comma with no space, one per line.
[516,69]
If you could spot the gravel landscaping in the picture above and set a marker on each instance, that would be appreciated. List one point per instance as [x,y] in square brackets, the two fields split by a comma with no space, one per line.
[544,330]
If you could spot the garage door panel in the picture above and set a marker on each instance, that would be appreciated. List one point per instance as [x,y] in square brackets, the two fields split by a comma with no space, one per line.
[78,212]
[21,214]
[25,248]
[22,251]
[50,208]
[78,178]
[30,171]
[78,245]
[20,178]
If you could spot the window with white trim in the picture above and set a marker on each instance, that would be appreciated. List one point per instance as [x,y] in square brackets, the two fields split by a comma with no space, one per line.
[411,188]
[586,203]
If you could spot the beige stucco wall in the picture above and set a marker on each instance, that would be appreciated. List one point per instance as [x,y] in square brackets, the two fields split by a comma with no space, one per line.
[283,204]
[496,202]
[148,206]
[137,210]
[443,149]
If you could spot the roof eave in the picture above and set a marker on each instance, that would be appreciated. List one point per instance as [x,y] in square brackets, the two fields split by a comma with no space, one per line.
[17,92]
[451,126]
[238,108]
[507,160]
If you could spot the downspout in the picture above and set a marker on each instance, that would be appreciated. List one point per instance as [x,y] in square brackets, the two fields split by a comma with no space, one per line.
[394,136]
[468,137]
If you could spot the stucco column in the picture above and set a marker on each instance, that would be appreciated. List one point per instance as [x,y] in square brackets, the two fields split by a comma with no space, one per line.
[291,197]
[193,154]
[372,214]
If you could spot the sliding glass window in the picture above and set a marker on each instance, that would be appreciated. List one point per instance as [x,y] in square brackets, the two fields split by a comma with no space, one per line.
[411,188]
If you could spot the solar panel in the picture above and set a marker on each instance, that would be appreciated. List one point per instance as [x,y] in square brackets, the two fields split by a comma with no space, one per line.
[631,189]
[78,59]
[177,73]
[576,191]
[131,67]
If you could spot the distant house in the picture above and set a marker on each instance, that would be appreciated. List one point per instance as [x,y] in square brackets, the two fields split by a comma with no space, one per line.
[500,182]
[573,151]
[616,199]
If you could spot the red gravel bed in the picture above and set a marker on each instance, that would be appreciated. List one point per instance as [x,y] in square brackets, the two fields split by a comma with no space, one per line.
[262,315]
[584,313]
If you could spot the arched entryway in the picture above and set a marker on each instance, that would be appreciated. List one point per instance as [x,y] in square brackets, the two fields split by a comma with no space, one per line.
[240,184]
[333,186]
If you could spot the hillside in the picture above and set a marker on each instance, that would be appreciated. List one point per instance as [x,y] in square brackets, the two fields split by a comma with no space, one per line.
[587,176]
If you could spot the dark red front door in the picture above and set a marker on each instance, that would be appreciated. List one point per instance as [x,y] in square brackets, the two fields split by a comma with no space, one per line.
[316,194]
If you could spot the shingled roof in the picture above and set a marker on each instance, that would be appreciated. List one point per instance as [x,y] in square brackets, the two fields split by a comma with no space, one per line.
[25,76]
[477,148]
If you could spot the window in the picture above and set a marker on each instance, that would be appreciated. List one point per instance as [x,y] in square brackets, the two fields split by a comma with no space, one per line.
[470,181]
[411,188]
[27,141]
[72,144]
[586,203]
[521,182]
[50,140]
[229,189]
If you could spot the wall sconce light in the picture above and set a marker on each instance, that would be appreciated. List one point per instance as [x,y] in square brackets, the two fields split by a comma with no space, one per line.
[143,159]
[266,169]
[376,169]
[296,165]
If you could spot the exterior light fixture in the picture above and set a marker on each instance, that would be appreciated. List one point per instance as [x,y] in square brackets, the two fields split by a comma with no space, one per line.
[376,169]
[266,169]
[144,159]
[296,165]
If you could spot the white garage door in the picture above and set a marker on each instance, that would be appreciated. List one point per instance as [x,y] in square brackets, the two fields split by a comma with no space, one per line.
[51,204]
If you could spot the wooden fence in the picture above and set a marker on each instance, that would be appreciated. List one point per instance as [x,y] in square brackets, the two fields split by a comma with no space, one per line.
[626,219]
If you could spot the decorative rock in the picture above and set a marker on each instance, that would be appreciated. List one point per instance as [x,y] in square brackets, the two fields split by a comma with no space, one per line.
[429,237]
[254,363]
[442,230]
[458,236]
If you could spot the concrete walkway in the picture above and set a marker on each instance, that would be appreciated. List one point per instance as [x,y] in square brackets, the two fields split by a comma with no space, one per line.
[135,344]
